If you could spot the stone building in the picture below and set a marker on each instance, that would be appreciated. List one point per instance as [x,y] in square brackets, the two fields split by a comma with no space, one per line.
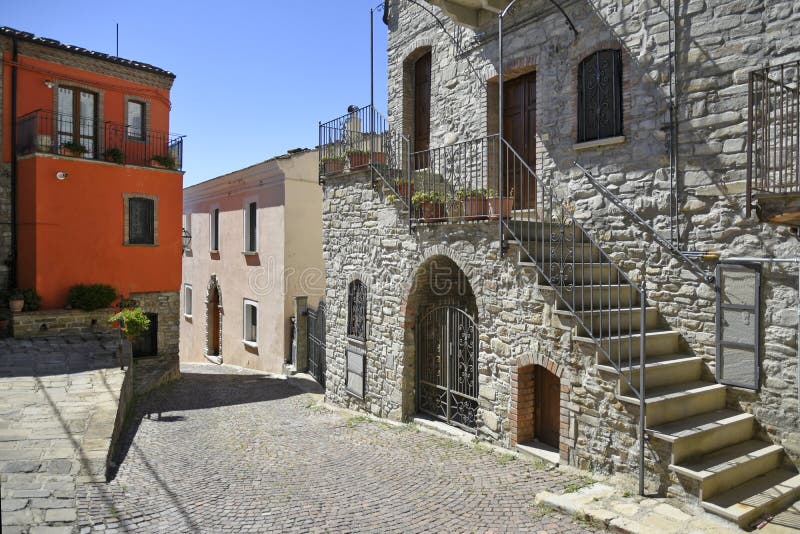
[256,245]
[90,187]
[644,183]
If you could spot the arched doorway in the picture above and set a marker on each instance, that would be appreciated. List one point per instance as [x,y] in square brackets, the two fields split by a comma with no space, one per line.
[214,321]
[440,374]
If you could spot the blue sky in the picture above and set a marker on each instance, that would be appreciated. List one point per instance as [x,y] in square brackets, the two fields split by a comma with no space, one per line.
[253,77]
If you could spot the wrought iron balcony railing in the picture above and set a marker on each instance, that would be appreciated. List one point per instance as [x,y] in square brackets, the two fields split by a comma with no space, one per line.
[773,133]
[45,131]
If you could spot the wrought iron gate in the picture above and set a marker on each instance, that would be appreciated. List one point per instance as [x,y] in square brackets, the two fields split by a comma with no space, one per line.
[447,375]
[316,343]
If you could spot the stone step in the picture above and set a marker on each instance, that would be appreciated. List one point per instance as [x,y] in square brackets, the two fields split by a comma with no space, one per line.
[623,348]
[663,370]
[679,401]
[730,466]
[596,298]
[555,255]
[525,226]
[764,494]
[612,321]
[703,433]
[581,273]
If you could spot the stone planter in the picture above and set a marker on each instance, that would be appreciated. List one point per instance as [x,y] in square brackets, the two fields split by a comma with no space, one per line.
[16,305]
[475,208]
[432,211]
[499,205]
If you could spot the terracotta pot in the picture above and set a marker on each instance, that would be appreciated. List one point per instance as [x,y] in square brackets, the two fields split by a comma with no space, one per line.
[432,211]
[358,160]
[475,208]
[403,190]
[506,204]
[16,305]
[334,166]
[68,152]
[378,158]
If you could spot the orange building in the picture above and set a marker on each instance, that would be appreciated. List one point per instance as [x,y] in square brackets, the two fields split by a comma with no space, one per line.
[90,184]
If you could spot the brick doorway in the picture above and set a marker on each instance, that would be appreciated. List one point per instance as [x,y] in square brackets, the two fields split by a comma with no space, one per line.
[538,406]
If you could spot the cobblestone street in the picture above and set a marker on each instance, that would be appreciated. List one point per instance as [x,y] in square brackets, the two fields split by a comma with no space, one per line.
[225,450]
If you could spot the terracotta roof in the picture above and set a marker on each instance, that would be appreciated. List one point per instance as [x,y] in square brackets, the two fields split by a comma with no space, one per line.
[25,36]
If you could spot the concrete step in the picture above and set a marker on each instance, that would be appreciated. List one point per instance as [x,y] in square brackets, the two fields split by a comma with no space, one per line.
[628,346]
[678,401]
[761,495]
[581,273]
[597,297]
[730,466]
[613,320]
[553,255]
[663,370]
[703,433]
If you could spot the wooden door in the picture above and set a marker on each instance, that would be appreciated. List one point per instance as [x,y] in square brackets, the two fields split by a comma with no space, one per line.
[547,416]
[519,129]
[422,109]
[213,341]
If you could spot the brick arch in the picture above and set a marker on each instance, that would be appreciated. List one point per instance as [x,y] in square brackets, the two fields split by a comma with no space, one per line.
[212,287]
[452,255]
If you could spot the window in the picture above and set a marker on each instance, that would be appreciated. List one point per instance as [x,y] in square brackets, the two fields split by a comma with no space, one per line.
[250,228]
[357,310]
[135,122]
[141,221]
[214,230]
[600,96]
[250,321]
[187,300]
[75,120]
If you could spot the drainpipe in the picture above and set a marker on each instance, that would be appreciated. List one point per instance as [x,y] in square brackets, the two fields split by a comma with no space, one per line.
[12,268]
[796,261]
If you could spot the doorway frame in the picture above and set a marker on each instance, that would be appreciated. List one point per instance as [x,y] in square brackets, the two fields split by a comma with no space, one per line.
[213,288]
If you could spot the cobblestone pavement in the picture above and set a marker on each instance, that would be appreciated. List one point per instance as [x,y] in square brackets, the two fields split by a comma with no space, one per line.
[246,452]
[58,401]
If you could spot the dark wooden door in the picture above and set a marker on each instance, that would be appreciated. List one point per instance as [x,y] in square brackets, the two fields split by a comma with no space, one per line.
[213,338]
[547,417]
[422,109]
[519,129]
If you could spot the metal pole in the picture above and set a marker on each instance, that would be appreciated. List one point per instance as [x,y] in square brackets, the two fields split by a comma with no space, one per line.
[371,97]
[500,141]
[642,402]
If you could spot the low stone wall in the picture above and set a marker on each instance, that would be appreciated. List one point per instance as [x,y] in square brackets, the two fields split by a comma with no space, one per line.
[127,400]
[61,322]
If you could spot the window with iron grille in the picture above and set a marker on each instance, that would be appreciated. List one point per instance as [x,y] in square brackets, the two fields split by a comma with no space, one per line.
[600,96]
[141,221]
[357,310]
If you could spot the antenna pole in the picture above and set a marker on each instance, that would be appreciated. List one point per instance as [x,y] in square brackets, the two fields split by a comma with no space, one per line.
[117,39]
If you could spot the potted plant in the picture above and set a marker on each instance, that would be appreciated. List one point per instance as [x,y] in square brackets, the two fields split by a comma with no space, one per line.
[404,187]
[114,155]
[133,322]
[475,204]
[16,301]
[332,165]
[498,204]
[164,162]
[74,149]
[358,159]
[431,204]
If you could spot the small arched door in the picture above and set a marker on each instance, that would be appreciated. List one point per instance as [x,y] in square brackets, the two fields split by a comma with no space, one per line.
[213,323]
[447,374]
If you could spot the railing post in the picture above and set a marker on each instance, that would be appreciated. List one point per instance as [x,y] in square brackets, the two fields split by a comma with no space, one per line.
[408,177]
[500,143]
[749,183]
[642,396]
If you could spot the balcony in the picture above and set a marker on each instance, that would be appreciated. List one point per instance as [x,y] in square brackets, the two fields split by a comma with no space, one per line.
[773,144]
[471,12]
[47,132]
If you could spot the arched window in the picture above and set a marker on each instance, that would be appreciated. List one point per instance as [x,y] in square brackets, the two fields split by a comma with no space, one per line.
[600,96]
[357,310]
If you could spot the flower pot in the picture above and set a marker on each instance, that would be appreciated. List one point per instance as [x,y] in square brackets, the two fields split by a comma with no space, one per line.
[16,305]
[499,205]
[64,151]
[157,165]
[405,190]
[432,211]
[334,166]
[475,208]
[378,158]
[358,160]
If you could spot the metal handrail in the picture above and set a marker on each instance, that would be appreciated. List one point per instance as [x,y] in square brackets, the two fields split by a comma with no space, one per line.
[675,251]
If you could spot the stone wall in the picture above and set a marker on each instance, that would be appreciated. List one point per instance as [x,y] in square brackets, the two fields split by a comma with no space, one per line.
[61,322]
[716,44]
[152,372]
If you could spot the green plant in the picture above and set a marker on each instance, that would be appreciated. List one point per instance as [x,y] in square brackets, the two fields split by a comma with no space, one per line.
[133,322]
[391,199]
[355,151]
[401,181]
[74,147]
[29,295]
[114,154]
[91,297]
[332,159]
[126,302]
[434,197]
[165,161]
[491,193]
[471,193]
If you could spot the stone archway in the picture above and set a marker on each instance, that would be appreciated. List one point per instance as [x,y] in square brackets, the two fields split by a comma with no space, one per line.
[439,287]
[214,320]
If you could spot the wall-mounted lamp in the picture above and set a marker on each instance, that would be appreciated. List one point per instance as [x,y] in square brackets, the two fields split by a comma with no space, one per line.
[49,84]
[61,175]
[187,239]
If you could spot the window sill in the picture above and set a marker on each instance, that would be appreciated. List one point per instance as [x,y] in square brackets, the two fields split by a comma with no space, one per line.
[214,251]
[599,143]
[250,252]
[187,316]
[140,244]
[251,344]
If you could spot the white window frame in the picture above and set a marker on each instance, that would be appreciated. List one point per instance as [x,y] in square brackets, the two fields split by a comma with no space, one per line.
[246,227]
[246,322]
[188,305]
[213,231]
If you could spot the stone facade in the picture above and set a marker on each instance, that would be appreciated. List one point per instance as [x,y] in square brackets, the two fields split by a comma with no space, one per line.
[716,44]
[151,372]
